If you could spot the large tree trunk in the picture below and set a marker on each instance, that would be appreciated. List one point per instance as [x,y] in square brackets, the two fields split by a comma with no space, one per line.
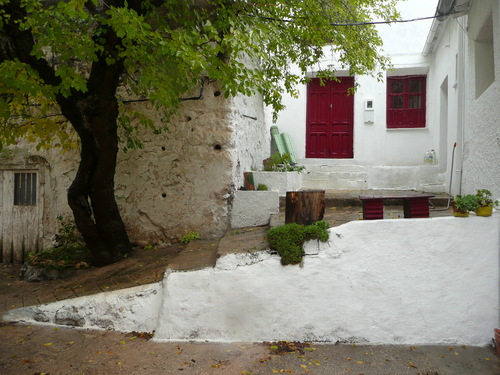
[93,113]
[91,195]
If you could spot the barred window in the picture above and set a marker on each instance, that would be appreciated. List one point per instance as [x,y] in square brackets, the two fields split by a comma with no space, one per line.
[25,189]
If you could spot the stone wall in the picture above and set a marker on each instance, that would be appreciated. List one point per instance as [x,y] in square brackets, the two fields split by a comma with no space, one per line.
[183,179]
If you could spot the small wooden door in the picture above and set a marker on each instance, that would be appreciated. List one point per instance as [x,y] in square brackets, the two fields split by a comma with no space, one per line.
[330,119]
[20,214]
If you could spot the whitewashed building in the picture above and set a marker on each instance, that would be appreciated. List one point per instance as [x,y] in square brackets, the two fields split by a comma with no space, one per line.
[442,95]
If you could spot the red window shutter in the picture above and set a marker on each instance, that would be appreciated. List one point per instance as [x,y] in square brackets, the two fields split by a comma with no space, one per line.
[406,101]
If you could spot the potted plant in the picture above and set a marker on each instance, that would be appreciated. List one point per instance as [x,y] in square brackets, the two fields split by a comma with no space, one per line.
[485,203]
[462,204]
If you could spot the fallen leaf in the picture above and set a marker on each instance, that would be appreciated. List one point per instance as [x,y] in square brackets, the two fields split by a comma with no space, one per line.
[359,362]
[47,344]
[220,363]
[411,364]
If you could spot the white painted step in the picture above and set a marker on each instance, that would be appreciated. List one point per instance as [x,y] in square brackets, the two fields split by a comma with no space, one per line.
[335,180]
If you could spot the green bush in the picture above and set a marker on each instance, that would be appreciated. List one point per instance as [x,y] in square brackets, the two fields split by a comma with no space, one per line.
[190,237]
[466,203]
[60,257]
[262,187]
[69,252]
[484,198]
[281,163]
[288,239]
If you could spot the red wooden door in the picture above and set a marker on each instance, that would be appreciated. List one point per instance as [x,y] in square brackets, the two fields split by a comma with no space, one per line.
[330,119]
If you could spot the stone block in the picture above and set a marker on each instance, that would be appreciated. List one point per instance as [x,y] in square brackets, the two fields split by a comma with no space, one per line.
[253,208]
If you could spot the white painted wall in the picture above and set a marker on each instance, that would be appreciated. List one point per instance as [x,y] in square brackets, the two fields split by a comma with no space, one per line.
[254,208]
[446,93]
[402,281]
[133,309]
[481,164]
[377,282]
[250,137]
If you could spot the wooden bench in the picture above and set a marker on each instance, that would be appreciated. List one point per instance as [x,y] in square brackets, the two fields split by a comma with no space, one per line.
[414,205]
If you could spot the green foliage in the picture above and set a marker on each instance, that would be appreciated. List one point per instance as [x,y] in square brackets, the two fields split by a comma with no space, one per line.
[466,203]
[190,237]
[288,239]
[262,187]
[484,199]
[69,252]
[67,234]
[281,163]
[166,49]
[60,257]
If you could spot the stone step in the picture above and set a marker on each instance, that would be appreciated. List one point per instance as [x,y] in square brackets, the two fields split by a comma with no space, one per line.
[198,254]
[244,240]
[335,180]
[333,168]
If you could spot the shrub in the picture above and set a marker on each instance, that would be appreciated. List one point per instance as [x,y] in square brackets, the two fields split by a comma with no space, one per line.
[484,198]
[69,252]
[466,203]
[281,163]
[262,187]
[190,237]
[288,239]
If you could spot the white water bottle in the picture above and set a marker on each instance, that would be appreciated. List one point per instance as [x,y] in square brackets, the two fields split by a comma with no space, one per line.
[433,157]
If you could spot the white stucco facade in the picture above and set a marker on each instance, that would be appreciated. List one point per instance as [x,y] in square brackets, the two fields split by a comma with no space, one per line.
[402,281]
[481,133]
[383,158]
[461,123]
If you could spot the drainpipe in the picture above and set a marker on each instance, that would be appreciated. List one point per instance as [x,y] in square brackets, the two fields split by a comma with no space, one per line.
[461,123]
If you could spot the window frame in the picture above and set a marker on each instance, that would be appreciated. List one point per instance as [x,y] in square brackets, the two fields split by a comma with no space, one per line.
[25,188]
[406,117]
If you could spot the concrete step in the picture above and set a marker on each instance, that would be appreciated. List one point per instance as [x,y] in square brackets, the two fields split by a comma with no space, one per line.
[331,167]
[244,240]
[335,180]
[198,254]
